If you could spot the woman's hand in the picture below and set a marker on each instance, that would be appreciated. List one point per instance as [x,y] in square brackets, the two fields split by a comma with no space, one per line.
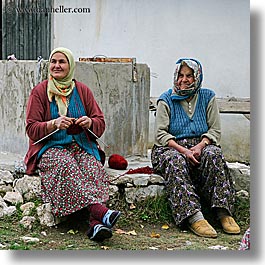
[84,122]
[197,150]
[63,122]
[192,156]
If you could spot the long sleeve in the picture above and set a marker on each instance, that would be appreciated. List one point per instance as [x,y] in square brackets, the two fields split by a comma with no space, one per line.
[213,121]
[38,113]
[162,124]
[162,136]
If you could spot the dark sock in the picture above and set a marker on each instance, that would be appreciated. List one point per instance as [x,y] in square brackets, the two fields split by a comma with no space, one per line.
[93,221]
[97,211]
[221,212]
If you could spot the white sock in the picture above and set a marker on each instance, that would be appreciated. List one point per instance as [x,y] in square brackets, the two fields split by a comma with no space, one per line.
[196,217]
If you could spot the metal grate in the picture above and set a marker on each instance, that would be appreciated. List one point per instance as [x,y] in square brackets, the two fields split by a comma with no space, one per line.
[25,33]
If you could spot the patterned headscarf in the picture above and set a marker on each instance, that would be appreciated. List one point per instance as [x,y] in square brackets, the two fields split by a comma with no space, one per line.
[198,77]
[64,87]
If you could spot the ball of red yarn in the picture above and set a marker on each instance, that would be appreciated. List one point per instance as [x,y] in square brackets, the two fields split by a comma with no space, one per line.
[117,162]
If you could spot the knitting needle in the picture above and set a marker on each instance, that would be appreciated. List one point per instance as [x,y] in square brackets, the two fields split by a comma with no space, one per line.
[59,129]
[97,138]
[46,136]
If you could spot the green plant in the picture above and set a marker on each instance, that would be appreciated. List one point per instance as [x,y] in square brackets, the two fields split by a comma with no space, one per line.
[154,210]
[242,211]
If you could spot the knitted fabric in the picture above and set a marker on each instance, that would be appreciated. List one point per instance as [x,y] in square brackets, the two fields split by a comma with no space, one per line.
[62,138]
[141,170]
[97,211]
[181,125]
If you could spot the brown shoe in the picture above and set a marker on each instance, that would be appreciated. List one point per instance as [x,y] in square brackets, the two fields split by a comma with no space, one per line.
[229,225]
[203,228]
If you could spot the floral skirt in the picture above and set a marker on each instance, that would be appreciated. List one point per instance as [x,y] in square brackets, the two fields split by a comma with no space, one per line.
[72,179]
[186,185]
[245,242]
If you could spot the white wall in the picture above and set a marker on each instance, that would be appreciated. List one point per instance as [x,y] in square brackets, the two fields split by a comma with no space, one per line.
[157,33]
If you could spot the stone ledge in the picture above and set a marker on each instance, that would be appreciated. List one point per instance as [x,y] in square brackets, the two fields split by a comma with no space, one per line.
[17,187]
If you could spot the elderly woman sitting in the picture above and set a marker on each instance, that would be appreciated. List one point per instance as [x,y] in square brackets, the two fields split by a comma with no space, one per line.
[188,155]
[69,161]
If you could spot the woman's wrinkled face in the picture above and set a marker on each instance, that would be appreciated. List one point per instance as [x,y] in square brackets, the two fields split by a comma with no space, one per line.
[185,77]
[59,66]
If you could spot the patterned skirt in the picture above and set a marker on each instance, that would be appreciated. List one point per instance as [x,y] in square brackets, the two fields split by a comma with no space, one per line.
[245,241]
[72,179]
[186,185]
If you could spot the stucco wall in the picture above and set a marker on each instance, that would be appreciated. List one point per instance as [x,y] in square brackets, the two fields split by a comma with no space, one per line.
[16,81]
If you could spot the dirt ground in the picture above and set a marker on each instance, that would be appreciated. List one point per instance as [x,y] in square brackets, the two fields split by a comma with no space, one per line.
[127,235]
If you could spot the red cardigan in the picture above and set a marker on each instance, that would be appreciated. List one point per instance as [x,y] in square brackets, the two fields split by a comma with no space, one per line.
[38,113]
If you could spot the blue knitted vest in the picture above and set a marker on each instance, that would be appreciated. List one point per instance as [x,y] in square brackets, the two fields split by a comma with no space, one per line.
[181,125]
[61,138]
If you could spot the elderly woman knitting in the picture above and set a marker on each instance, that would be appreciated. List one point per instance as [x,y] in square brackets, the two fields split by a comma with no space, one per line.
[69,161]
[188,155]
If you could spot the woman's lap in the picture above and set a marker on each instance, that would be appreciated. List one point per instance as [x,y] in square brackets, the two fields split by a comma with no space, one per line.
[185,184]
[72,179]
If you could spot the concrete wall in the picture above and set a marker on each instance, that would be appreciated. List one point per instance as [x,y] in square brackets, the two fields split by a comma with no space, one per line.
[125,103]
[216,32]
[16,81]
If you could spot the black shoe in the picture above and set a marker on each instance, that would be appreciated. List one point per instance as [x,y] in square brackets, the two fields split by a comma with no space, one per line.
[99,233]
[110,218]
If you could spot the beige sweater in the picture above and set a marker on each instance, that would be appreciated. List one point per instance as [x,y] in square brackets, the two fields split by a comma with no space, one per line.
[163,119]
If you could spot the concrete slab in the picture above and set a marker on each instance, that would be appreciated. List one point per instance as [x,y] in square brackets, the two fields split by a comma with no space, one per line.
[8,160]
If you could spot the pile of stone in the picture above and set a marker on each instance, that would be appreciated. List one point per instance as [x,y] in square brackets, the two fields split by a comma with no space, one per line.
[17,188]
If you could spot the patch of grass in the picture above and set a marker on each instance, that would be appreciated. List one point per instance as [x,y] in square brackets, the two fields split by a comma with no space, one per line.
[15,246]
[157,210]
[154,210]
[145,218]
[242,211]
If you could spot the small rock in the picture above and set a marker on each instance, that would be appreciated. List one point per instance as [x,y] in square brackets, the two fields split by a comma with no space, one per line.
[218,247]
[28,239]
[13,197]
[26,208]
[27,221]
[43,233]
